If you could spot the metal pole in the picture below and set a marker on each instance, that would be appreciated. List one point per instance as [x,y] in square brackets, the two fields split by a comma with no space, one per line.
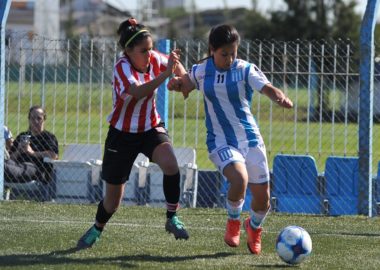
[4,10]
[163,94]
[366,196]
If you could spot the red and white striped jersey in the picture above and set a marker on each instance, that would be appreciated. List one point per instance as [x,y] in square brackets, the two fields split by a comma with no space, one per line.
[130,114]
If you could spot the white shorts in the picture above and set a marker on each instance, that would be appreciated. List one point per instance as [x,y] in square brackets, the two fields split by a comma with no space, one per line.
[255,159]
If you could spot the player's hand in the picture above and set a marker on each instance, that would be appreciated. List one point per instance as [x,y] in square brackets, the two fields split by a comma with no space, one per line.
[25,148]
[174,84]
[173,60]
[285,102]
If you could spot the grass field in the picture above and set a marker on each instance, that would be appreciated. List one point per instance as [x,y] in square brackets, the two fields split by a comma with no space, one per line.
[43,236]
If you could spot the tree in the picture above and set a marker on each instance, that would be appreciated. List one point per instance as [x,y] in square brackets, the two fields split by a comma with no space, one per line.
[256,26]
[69,24]
[346,22]
[315,20]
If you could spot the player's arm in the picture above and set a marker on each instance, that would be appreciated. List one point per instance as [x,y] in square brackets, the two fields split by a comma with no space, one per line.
[181,84]
[179,69]
[139,90]
[277,96]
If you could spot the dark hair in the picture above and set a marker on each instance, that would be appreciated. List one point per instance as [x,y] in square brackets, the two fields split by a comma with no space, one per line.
[222,35]
[127,31]
[219,36]
[34,108]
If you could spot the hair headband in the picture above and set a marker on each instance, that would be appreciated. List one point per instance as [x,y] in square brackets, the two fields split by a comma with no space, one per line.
[132,37]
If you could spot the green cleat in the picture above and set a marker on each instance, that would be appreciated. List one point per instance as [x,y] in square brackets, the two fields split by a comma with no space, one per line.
[89,238]
[176,227]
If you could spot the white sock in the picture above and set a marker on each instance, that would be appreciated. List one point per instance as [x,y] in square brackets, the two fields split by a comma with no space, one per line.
[234,209]
[257,218]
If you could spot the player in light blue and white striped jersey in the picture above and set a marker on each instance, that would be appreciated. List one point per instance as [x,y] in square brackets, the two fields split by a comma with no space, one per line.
[227,96]
[234,141]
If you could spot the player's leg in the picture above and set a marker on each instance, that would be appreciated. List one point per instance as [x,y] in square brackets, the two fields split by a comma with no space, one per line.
[258,170]
[231,163]
[259,210]
[159,149]
[120,151]
[163,155]
[106,208]
[236,174]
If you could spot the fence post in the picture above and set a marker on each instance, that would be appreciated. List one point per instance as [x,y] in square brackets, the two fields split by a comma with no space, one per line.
[366,196]
[4,10]
[163,95]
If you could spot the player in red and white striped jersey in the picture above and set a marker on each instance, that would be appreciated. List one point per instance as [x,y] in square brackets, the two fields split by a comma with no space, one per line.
[136,127]
[131,114]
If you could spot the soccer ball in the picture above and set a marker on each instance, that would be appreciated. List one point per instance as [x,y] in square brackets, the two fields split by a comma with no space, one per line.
[293,244]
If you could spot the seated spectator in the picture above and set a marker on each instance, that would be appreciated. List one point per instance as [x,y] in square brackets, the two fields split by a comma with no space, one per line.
[29,149]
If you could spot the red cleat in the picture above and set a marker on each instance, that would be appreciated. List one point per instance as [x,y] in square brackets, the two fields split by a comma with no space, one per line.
[232,235]
[253,237]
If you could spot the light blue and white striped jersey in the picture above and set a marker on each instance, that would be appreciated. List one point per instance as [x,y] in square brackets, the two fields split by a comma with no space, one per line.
[227,101]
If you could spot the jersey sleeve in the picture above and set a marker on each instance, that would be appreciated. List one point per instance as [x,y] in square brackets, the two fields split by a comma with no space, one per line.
[160,59]
[256,78]
[192,76]
[124,77]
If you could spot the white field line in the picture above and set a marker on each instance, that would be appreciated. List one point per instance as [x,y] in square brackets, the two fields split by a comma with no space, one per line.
[135,225]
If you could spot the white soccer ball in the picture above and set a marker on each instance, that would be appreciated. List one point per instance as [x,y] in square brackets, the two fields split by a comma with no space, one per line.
[293,244]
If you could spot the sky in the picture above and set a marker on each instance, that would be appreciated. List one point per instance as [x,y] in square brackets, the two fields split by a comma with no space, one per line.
[263,5]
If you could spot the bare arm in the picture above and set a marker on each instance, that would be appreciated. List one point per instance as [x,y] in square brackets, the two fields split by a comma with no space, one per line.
[179,69]
[142,90]
[181,84]
[139,91]
[277,96]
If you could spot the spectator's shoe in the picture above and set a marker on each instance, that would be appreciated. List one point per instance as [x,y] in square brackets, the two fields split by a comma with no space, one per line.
[176,227]
[232,235]
[89,238]
[253,237]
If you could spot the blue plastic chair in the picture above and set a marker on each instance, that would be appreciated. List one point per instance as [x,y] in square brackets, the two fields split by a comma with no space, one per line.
[342,177]
[295,186]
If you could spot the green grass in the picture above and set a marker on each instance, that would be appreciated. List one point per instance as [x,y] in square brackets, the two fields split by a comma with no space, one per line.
[42,236]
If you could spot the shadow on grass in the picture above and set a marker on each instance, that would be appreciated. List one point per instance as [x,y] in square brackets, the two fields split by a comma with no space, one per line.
[351,234]
[59,257]
[266,266]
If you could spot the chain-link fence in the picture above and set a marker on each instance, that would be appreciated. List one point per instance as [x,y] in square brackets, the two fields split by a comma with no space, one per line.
[71,80]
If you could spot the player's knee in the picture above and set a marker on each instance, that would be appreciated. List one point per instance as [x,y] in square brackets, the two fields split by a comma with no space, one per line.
[169,168]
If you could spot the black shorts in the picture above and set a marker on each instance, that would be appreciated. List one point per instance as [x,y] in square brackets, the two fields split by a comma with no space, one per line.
[121,149]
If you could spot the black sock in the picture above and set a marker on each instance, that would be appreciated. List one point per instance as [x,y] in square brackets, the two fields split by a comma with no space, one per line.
[101,214]
[171,185]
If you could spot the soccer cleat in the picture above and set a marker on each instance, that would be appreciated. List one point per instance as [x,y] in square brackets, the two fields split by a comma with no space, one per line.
[89,238]
[176,227]
[253,237]
[232,235]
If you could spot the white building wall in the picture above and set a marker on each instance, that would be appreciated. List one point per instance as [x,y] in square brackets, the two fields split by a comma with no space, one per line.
[46,18]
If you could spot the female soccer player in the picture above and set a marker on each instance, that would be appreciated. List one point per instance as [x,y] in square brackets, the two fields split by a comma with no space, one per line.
[234,142]
[136,127]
